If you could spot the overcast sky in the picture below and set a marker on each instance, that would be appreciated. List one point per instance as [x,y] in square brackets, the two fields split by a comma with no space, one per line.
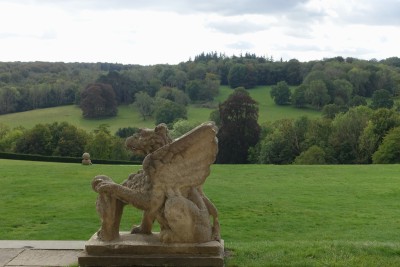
[151,32]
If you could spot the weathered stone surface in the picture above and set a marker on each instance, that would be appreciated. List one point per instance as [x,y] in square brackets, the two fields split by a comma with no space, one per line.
[140,244]
[6,255]
[168,189]
[151,260]
[31,257]
[147,250]
[43,244]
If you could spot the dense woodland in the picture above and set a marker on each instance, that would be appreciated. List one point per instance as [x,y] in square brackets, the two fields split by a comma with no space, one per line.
[340,81]
[357,99]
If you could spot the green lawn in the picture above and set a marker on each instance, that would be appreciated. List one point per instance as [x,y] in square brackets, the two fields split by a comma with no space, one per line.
[270,215]
[128,117]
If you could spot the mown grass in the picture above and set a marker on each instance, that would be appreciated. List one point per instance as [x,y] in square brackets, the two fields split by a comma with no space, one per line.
[129,117]
[270,215]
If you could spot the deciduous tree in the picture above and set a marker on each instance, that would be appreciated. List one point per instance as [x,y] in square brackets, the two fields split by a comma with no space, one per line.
[299,96]
[239,127]
[381,99]
[174,95]
[281,93]
[37,140]
[343,92]
[317,94]
[359,78]
[168,111]
[145,104]
[329,111]
[100,145]
[346,131]
[313,155]
[98,100]
[389,151]
[67,139]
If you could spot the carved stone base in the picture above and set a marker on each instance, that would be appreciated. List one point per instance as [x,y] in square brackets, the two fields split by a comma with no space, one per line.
[147,250]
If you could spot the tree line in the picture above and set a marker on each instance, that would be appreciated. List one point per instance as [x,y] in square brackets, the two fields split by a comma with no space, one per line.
[360,135]
[66,140]
[343,82]
[339,84]
[352,131]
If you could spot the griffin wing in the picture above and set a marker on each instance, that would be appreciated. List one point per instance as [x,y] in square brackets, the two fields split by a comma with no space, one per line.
[186,161]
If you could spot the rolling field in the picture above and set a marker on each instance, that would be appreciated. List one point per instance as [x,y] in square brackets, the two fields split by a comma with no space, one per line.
[270,215]
[128,117]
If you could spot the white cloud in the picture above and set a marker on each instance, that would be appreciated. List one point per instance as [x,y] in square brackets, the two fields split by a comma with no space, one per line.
[154,31]
[236,26]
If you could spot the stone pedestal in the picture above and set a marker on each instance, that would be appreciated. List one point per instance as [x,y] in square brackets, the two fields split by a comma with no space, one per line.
[147,250]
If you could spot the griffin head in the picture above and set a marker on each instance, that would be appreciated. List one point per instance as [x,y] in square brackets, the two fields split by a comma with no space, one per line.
[147,140]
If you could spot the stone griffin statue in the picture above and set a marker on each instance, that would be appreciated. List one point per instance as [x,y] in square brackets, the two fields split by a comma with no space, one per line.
[168,188]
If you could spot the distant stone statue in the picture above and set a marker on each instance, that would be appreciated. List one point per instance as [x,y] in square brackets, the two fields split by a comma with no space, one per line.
[86,159]
[168,188]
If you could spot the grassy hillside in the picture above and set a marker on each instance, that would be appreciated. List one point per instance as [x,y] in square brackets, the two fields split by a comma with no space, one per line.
[128,117]
[270,215]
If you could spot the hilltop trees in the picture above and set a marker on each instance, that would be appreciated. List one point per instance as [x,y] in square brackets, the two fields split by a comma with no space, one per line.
[9,97]
[123,87]
[339,81]
[203,90]
[239,127]
[31,85]
[241,75]
[382,99]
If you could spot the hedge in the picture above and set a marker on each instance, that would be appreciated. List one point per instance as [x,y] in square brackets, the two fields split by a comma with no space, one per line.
[30,157]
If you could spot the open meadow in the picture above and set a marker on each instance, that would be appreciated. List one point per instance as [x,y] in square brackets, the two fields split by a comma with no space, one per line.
[129,117]
[289,215]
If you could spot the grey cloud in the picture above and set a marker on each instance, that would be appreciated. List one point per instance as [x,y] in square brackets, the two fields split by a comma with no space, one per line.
[236,27]
[370,12]
[296,47]
[300,30]
[240,45]
[227,7]
[330,51]
[376,12]
[6,35]
[352,51]
[49,35]
[223,7]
